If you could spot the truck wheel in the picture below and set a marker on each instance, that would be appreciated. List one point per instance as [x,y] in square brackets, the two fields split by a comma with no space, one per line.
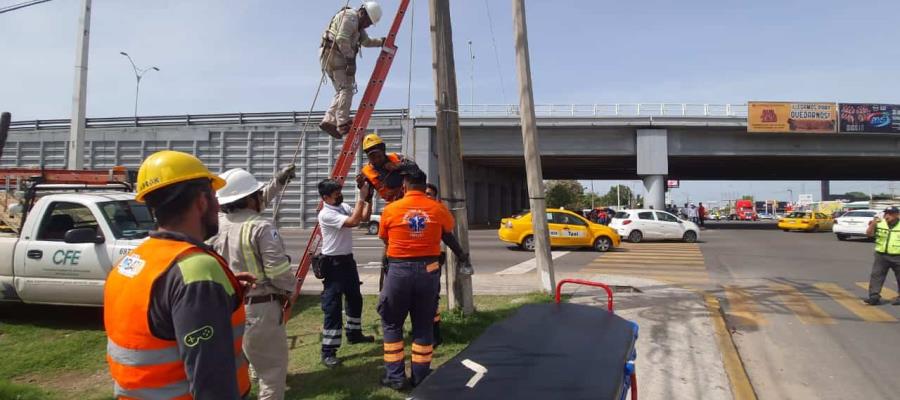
[527,243]
[602,244]
[635,236]
[689,237]
[373,228]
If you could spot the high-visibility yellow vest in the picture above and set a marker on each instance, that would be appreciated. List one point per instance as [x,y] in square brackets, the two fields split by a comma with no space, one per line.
[887,240]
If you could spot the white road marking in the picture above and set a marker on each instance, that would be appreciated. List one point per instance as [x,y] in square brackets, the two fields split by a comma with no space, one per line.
[479,369]
[527,266]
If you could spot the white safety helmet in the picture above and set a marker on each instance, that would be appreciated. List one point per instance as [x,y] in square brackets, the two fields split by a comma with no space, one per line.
[374,11]
[238,184]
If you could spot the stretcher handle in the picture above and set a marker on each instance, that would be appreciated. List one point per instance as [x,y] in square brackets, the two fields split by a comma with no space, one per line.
[609,293]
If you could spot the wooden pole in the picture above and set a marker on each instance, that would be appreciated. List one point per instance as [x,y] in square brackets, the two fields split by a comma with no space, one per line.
[532,157]
[449,148]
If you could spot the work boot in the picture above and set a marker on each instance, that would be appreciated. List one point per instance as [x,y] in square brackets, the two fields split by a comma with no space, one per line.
[354,337]
[330,129]
[396,385]
[896,301]
[331,361]
[344,128]
[873,301]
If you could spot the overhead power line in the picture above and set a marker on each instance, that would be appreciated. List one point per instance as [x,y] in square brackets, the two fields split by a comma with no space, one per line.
[21,5]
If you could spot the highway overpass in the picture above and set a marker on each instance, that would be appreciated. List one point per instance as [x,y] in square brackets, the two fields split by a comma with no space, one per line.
[647,142]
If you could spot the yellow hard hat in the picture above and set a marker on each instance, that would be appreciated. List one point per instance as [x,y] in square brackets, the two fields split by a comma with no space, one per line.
[371,140]
[167,167]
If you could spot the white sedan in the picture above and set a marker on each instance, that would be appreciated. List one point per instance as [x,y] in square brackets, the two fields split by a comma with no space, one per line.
[854,223]
[637,225]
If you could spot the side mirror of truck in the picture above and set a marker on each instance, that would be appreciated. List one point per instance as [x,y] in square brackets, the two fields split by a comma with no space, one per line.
[83,235]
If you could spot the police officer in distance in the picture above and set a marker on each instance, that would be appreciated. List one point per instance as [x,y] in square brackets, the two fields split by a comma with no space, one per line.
[412,229]
[887,253]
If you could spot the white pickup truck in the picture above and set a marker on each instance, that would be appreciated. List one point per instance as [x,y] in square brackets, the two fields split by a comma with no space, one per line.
[68,244]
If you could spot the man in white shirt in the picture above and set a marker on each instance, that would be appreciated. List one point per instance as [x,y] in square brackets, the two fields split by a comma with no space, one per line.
[341,279]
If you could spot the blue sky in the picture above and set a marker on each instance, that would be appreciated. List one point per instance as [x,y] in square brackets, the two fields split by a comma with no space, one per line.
[260,55]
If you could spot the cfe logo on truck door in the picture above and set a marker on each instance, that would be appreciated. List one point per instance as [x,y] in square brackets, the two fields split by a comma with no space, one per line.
[66,257]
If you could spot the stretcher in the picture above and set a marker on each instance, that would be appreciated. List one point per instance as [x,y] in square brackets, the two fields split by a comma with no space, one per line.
[544,351]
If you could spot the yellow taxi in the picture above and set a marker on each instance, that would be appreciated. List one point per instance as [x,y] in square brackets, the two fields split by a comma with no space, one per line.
[806,221]
[567,229]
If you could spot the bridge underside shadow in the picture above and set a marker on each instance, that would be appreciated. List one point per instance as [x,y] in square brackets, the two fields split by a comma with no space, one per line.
[707,167]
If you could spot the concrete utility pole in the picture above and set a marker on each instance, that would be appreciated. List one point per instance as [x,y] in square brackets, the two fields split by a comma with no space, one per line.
[532,157]
[5,118]
[79,95]
[449,149]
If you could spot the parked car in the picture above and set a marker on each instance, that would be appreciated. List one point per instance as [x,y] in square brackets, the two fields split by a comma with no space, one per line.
[374,224]
[854,223]
[765,216]
[567,229]
[806,221]
[638,225]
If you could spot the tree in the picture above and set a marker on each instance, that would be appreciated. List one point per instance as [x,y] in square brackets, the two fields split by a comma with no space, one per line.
[854,196]
[747,197]
[610,198]
[566,193]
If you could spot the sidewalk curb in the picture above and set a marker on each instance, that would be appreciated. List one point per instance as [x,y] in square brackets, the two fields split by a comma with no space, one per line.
[741,387]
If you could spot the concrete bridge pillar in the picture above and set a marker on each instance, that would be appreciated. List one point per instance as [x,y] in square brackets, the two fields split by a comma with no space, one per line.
[653,165]
[654,186]
[826,190]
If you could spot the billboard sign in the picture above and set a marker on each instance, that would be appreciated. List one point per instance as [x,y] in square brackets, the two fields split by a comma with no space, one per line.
[784,117]
[673,183]
[872,118]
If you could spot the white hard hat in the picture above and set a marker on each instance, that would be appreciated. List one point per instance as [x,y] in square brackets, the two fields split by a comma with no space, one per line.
[374,11]
[238,184]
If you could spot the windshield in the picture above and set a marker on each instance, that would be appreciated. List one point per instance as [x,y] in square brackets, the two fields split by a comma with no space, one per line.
[865,214]
[798,215]
[128,219]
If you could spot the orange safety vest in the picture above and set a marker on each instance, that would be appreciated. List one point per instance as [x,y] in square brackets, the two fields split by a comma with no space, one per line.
[141,364]
[377,179]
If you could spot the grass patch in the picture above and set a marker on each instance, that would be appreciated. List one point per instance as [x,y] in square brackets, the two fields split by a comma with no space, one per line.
[58,352]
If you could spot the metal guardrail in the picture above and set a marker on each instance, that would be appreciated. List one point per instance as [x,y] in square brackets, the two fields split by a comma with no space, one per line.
[292,117]
[597,110]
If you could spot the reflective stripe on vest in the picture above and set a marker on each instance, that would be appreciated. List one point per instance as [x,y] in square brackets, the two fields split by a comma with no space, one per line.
[247,252]
[887,240]
[141,364]
[375,178]
[178,390]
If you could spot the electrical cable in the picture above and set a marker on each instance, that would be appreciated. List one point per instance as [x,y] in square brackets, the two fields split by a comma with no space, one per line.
[21,5]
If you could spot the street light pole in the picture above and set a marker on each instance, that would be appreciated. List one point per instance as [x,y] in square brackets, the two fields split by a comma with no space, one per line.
[79,93]
[138,74]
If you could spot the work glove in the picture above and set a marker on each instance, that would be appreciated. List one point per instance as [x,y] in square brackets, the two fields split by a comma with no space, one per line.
[287,174]
[360,180]
[365,191]
[464,265]
[381,41]
[351,67]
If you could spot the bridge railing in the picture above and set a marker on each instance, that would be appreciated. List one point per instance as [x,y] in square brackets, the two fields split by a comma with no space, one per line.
[290,117]
[597,110]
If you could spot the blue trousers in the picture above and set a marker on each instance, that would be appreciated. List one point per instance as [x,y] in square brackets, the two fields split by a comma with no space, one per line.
[410,288]
[341,283]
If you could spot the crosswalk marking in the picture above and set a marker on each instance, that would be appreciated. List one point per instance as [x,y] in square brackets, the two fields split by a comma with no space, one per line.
[528,265]
[807,311]
[678,263]
[886,292]
[853,303]
[741,305]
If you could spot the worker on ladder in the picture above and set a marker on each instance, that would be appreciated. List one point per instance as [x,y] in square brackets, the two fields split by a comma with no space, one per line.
[251,243]
[383,169]
[337,55]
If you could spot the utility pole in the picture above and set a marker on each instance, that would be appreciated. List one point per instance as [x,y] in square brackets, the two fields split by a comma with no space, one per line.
[449,149]
[79,95]
[472,76]
[532,156]
[618,196]
[5,118]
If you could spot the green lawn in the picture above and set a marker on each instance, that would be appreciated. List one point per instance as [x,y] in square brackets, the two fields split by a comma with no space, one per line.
[58,352]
